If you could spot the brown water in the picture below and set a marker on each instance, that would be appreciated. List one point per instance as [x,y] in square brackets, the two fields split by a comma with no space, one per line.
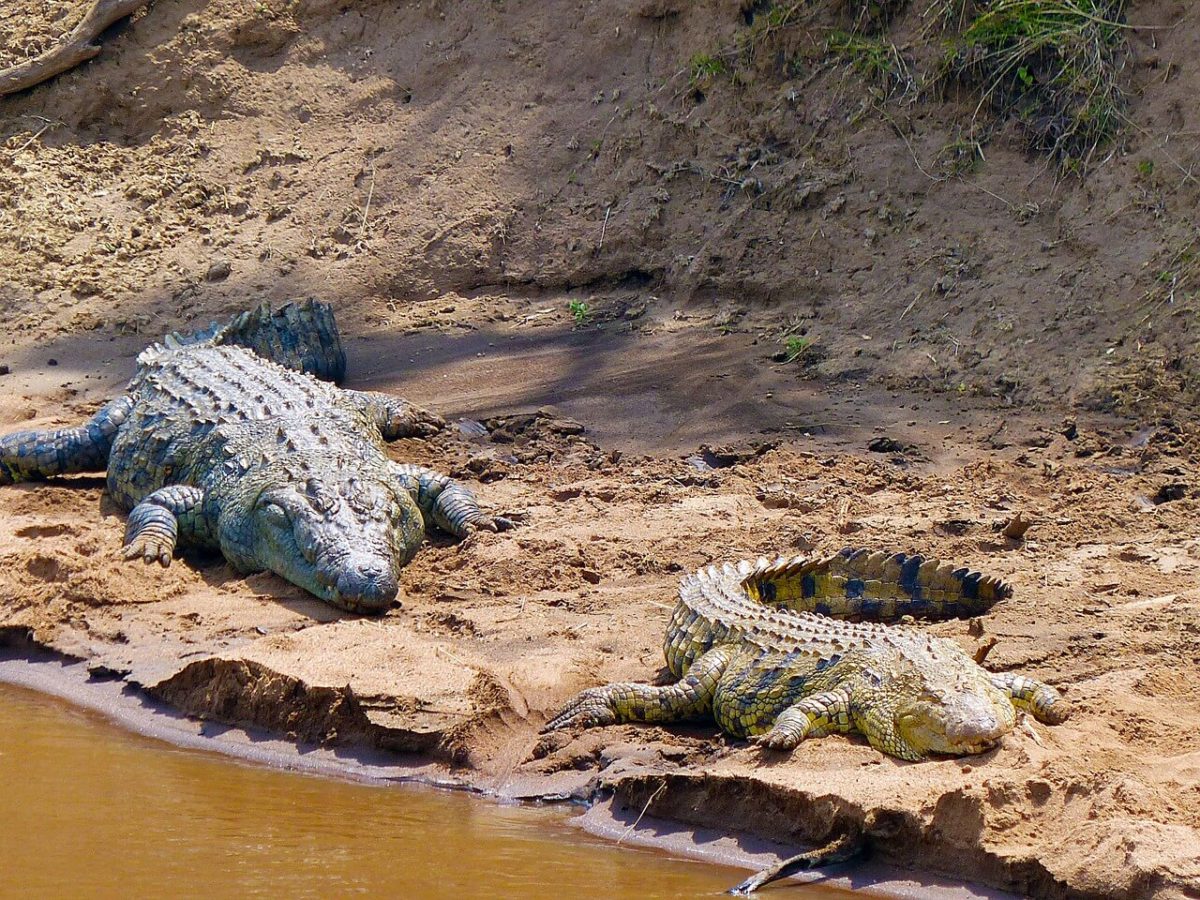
[88,809]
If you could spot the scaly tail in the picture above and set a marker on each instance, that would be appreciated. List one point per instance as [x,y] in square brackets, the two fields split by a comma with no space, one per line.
[300,335]
[27,455]
[874,586]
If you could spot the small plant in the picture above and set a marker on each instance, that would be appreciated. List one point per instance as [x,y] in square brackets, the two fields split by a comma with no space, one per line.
[1052,64]
[704,67]
[580,312]
[795,347]
[1146,168]
[961,156]
[876,59]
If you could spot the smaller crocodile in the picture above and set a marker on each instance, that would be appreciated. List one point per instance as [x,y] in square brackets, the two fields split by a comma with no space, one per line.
[225,439]
[766,649]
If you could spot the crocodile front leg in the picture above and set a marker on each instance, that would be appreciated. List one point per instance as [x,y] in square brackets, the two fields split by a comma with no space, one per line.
[688,698]
[815,716]
[451,506]
[395,417]
[164,519]
[1044,702]
[26,455]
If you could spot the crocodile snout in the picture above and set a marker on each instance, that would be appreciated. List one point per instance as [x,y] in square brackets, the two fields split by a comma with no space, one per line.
[365,583]
[974,722]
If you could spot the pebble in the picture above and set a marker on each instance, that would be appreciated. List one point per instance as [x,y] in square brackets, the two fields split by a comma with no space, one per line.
[218,271]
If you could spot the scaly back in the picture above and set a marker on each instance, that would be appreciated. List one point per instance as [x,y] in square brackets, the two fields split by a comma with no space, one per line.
[801,604]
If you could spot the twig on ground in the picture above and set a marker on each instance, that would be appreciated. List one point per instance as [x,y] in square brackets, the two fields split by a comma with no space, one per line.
[840,849]
[657,792]
[77,47]
[367,208]
[604,228]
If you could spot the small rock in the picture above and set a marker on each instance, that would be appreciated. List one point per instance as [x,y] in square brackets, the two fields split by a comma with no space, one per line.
[1016,528]
[590,576]
[218,271]
[885,445]
[954,527]
[52,362]
[804,542]
[4,370]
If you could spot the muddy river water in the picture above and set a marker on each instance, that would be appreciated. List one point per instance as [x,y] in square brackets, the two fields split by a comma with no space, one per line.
[87,809]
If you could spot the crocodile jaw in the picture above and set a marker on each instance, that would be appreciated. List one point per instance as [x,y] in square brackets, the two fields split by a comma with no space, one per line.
[962,723]
[345,548]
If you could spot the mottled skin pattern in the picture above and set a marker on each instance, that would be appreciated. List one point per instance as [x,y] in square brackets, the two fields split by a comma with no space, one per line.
[214,446]
[776,675]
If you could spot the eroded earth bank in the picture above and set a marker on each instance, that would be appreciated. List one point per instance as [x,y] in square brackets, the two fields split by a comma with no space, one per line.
[701,313]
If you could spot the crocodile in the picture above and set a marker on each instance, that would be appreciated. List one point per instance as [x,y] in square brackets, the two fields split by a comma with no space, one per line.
[232,439]
[769,650]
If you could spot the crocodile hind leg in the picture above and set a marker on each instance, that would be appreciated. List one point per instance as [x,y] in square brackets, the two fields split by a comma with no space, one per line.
[27,455]
[159,523]
[1044,702]
[688,698]
[451,506]
[397,418]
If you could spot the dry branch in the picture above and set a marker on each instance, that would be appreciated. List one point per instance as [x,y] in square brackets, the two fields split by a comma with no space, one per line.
[77,47]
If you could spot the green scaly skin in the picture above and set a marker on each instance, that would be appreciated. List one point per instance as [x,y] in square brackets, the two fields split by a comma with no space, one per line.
[213,445]
[777,672]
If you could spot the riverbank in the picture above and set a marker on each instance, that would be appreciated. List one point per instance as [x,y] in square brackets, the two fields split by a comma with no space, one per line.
[41,672]
[494,636]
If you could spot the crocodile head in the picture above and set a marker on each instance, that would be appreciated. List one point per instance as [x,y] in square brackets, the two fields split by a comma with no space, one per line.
[955,720]
[344,542]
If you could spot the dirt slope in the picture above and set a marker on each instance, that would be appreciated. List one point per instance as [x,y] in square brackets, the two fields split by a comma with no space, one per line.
[453,177]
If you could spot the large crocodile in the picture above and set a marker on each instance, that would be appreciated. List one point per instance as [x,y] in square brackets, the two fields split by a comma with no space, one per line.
[224,439]
[766,650]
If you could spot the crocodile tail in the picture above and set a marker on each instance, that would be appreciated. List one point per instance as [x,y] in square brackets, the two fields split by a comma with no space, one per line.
[858,584]
[300,335]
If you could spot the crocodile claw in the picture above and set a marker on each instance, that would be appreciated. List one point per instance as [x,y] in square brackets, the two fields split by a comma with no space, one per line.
[149,551]
[426,423]
[774,740]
